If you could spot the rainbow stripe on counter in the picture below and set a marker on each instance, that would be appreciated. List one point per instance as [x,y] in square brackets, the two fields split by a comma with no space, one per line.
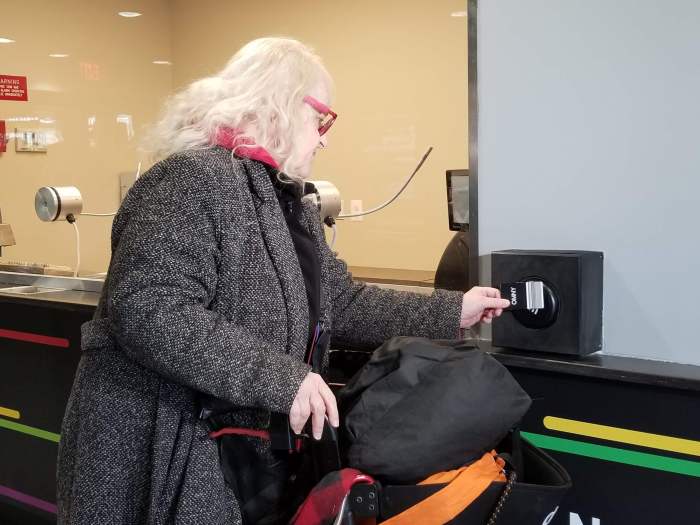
[619,455]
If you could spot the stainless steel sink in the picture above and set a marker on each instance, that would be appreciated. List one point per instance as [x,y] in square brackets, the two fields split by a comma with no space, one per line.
[28,290]
[45,286]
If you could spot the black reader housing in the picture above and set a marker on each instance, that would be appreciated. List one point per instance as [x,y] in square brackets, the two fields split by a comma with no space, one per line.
[571,321]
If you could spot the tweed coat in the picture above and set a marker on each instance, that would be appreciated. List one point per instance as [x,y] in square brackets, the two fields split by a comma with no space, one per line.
[204,294]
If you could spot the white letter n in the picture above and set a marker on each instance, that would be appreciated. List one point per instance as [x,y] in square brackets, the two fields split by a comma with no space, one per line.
[574,519]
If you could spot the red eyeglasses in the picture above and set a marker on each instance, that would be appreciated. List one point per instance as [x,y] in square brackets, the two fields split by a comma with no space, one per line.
[327,113]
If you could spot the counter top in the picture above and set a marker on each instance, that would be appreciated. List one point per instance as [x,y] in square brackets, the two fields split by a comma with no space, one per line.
[85,292]
[603,366]
[79,291]
[371,274]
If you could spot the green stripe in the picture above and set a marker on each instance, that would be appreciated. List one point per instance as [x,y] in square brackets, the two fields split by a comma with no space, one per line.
[616,455]
[32,431]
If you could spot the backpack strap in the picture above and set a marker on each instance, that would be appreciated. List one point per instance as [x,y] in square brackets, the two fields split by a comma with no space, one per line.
[464,485]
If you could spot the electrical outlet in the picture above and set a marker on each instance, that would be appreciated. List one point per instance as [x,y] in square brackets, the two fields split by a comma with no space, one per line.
[356,207]
[126,181]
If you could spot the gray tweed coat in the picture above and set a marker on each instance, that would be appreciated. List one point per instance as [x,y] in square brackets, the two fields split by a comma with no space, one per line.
[204,294]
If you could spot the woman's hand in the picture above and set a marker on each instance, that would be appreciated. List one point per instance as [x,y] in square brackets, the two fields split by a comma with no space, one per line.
[314,398]
[481,304]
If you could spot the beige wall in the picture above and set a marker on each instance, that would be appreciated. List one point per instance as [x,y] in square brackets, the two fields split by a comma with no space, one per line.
[400,72]
[64,94]
[400,69]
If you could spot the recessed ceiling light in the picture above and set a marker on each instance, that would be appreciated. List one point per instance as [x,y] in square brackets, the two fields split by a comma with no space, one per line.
[458,14]
[129,14]
[6,40]
[58,55]
[162,62]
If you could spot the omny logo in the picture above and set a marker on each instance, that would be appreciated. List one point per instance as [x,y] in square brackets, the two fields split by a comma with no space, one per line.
[513,296]
[574,519]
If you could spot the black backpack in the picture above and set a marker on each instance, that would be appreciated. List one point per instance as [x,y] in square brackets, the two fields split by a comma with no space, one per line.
[420,406]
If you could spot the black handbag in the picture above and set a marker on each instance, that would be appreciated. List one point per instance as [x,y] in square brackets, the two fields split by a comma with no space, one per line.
[261,469]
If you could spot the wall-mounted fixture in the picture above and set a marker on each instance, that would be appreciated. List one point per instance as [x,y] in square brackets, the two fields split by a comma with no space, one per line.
[58,203]
[31,141]
[6,236]
[64,203]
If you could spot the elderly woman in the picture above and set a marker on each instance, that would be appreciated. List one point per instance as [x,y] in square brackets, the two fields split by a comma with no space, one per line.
[219,279]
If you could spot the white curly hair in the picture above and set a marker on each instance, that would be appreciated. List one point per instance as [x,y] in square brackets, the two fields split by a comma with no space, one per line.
[260,90]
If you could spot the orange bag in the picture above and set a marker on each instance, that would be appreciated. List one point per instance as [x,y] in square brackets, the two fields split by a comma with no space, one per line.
[464,486]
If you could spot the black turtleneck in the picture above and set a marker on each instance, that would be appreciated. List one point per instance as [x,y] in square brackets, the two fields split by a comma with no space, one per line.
[289,196]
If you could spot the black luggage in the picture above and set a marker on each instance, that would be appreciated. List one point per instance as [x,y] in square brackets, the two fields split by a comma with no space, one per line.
[530,498]
[418,407]
[414,392]
[535,482]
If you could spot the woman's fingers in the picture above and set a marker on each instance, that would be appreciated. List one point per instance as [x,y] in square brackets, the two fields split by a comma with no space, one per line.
[483,304]
[295,416]
[301,409]
[331,405]
[299,414]
[495,302]
[318,415]
[491,292]
[314,399]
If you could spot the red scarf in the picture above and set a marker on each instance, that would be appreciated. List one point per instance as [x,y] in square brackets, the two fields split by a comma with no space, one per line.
[231,138]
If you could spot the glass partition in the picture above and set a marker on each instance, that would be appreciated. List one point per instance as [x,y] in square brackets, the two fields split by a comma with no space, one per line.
[96,78]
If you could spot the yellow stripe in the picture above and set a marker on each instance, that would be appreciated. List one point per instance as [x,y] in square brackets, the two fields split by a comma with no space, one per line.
[622,435]
[8,412]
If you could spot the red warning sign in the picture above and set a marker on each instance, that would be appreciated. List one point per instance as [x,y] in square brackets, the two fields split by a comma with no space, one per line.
[13,88]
